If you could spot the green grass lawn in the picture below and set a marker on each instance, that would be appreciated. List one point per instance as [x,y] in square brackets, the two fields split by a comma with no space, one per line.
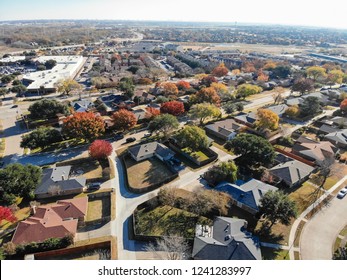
[199,155]
[58,146]
[167,220]
[146,173]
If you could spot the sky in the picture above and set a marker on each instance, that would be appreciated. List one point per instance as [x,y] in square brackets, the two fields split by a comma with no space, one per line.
[320,13]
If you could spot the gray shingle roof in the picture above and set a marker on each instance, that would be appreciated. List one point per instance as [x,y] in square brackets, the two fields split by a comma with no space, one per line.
[228,240]
[248,194]
[59,176]
[291,171]
[225,127]
[339,136]
[150,148]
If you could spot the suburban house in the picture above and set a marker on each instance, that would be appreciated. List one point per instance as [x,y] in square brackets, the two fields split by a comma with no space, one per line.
[247,119]
[83,105]
[110,102]
[278,109]
[140,114]
[318,152]
[291,172]
[326,129]
[248,195]
[323,99]
[338,138]
[148,150]
[57,181]
[226,129]
[52,221]
[226,239]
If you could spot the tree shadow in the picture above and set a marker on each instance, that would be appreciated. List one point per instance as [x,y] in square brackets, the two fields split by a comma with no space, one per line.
[266,235]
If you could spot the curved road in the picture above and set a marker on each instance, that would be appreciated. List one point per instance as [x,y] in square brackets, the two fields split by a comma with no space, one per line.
[319,234]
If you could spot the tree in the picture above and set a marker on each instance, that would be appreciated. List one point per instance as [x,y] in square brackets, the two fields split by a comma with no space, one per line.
[281,71]
[126,85]
[100,149]
[220,70]
[208,95]
[7,78]
[124,120]
[269,65]
[335,76]
[223,91]
[151,113]
[40,138]
[47,109]
[19,89]
[293,111]
[340,253]
[19,180]
[168,196]
[229,107]
[316,72]
[175,248]
[169,89]
[3,91]
[183,85]
[68,85]
[6,214]
[163,124]
[246,90]
[204,111]
[192,137]
[83,125]
[254,150]
[275,206]
[310,106]
[343,105]
[267,119]
[50,63]
[303,85]
[144,81]
[262,77]
[224,171]
[175,108]
[208,80]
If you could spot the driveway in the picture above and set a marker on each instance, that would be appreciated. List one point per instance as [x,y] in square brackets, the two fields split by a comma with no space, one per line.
[319,234]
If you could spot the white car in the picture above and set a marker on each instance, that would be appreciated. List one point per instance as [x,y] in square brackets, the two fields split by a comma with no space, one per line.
[342,192]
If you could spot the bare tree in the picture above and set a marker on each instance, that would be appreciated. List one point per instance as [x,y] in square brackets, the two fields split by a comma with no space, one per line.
[54,190]
[170,248]
[168,196]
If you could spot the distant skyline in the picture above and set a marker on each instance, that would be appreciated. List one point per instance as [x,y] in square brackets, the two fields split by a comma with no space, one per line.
[295,12]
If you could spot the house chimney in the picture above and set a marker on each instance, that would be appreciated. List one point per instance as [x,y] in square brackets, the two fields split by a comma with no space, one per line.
[33,209]
[245,225]
[63,177]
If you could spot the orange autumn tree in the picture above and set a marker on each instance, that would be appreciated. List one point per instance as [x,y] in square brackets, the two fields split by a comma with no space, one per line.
[169,89]
[100,149]
[83,126]
[175,108]
[262,77]
[151,113]
[208,95]
[267,119]
[182,85]
[124,120]
[343,105]
[220,70]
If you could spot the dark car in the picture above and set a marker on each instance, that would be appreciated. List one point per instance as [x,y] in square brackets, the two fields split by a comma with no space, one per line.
[130,139]
[118,136]
[14,106]
[94,186]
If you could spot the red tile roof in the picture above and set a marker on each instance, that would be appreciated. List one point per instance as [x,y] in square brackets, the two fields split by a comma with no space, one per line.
[52,220]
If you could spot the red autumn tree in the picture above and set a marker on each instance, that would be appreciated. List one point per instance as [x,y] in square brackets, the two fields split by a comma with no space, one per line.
[100,149]
[151,113]
[175,108]
[181,85]
[208,95]
[343,105]
[169,88]
[6,214]
[83,125]
[220,70]
[262,77]
[124,120]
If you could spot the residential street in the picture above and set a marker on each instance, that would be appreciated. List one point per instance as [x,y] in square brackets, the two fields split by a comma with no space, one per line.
[319,234]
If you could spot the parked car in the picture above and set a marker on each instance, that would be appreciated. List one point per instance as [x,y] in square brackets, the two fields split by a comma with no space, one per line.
[118,136]
[147,135]
[130,139]
[94,186]
[14,106]
[342,193]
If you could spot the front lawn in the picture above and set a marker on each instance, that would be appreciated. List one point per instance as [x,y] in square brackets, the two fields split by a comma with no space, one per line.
[146,173]
[98,208]
[199,155]
[274,254]
[167,220]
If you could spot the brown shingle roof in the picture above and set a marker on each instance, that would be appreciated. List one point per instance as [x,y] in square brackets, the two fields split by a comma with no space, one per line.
[51,221]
